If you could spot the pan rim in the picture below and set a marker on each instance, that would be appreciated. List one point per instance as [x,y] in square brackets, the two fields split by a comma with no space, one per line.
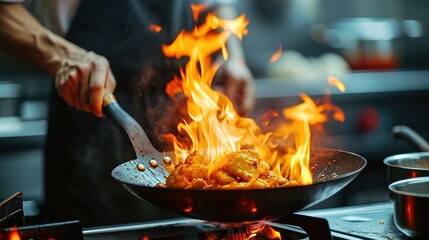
[409,181]
[389,161]
[315,183]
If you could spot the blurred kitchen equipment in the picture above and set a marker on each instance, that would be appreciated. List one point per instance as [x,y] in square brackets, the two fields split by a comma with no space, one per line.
[372,43]
[292,64]
[408,165]
[11,211]
[411,206]
[10,98]
[410,136]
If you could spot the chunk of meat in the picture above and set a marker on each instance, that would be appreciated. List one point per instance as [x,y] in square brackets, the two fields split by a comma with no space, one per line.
[243,165]
[186,175]
[242,169]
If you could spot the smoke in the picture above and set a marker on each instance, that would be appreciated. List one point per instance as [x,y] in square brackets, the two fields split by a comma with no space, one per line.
[159,113]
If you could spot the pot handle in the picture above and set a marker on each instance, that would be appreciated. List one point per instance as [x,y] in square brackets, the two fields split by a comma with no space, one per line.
[410,136]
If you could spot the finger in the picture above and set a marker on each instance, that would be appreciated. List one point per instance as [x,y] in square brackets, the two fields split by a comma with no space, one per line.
[63,87]
[67,94]
[84,75]
[110,85]
[60,79]
[247,105]
[242,95]
[229,88]
[248,98]
[73,85]
[97,82]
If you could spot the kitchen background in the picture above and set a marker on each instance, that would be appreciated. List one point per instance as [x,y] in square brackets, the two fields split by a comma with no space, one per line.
[378,48]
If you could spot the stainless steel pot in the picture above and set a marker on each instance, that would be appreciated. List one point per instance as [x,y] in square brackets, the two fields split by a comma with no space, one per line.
[407,165]
[411,206]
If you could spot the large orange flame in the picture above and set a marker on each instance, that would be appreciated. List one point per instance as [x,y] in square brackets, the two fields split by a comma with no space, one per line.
[215,128]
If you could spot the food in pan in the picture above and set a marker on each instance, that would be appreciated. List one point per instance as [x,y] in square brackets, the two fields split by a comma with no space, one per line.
[242,169]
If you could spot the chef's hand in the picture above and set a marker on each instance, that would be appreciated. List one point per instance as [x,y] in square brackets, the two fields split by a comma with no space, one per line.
[81,77]
[82,82]
[237,83]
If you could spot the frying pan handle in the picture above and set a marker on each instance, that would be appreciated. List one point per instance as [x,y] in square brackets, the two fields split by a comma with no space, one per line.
[114,112]
[410,136]
[128,125]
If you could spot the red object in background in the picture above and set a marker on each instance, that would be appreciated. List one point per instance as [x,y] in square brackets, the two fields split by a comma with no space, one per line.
[373,62]
[369,120]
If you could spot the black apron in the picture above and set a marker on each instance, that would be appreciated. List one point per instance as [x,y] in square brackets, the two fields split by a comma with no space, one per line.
[82,149]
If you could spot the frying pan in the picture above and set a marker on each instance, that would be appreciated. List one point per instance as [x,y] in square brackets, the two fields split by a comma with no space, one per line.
[331,169]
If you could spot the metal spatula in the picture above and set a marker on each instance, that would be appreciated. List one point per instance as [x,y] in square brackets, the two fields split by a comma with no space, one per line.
[149,166]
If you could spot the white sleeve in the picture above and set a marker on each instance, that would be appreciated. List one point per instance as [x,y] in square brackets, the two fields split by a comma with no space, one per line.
[217,2]
[56,15]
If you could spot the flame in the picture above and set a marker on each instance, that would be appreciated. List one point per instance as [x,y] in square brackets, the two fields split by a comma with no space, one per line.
[262,229]
[197,9]
[270,233]
[14,234]
[155,28]
[214,128]
[276,55]
[211,236]
[211,112]
[333,81]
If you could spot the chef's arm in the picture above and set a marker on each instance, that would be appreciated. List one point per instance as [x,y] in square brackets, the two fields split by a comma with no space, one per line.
[234,46]
[80,76]
[234,76]
[26,39]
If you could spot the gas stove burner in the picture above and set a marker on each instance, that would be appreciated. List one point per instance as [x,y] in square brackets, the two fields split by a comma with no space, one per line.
[373,221]
[12,221]
[291,227]
[71,230]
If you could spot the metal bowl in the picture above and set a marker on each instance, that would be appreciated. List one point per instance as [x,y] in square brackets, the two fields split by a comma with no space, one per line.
[408,165]
[411,206]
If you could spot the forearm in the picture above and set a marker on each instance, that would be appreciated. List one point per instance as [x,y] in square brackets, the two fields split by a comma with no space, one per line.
[23,37]
[234,46]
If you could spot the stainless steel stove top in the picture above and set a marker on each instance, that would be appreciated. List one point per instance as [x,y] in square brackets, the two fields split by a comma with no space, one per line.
[374,221]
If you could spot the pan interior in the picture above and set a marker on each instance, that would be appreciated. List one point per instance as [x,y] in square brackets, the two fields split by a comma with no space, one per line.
[325,164]
[332,170]
[329,164]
